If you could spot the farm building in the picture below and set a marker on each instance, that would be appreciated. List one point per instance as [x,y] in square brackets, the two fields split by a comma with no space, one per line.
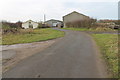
[29,24]
[54,23]
[74,16]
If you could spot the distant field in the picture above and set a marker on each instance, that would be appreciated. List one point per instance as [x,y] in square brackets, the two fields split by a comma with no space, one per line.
[108,44]
[28,36]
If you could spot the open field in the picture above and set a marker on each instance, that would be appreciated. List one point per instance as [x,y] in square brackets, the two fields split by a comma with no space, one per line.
[108,44]
[28,36]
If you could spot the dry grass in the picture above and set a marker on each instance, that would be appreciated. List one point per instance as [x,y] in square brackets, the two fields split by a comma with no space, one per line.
[98,29]
[108,44]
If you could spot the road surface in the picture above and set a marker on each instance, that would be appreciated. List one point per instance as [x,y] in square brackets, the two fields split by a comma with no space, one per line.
[73,56]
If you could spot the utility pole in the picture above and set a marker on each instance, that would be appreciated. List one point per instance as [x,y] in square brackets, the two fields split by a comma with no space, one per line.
[44,18]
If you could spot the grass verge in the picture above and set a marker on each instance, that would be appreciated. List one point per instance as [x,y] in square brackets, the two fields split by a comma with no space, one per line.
[31,36]
[108,44]
[77,29]
[90,29]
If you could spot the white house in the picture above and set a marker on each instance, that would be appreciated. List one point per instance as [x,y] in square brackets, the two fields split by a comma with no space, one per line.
[29,24]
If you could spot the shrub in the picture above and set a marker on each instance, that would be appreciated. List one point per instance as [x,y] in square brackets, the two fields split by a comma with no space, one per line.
[6,31]
[24,31]
[7,25]
[40,25]
[81,23]
[103,29]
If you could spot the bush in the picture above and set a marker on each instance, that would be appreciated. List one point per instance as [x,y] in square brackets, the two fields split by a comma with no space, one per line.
[40,25]
[6,31]
[81,23]
[103,29]
[24,31]
[5,26]
[8,25]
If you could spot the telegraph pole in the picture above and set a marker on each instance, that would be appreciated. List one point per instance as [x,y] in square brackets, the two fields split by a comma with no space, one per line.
[44,18]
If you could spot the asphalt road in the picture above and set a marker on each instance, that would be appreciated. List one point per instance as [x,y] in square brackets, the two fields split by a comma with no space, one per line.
[73,56]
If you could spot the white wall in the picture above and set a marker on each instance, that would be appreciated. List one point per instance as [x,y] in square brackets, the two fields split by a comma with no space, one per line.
[35,25]
[26,24]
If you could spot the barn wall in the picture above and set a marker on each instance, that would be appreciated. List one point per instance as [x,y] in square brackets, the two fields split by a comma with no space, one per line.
[73,17]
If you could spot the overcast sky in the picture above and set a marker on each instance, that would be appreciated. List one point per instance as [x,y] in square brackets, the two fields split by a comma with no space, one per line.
[15,10]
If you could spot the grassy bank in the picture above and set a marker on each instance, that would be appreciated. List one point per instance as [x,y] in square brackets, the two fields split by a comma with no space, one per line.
[108,44]
[28,36]
[90,29]
[77,29]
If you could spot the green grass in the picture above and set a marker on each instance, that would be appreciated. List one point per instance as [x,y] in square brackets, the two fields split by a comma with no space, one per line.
[108,44]
[33,36]
[77,29]
[90,29]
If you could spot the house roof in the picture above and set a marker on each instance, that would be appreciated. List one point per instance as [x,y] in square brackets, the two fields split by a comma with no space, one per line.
[30,21]
[75,12]
[54,20]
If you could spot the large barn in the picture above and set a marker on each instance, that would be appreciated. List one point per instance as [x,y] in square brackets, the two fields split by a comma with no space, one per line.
[74,16]
[29,24]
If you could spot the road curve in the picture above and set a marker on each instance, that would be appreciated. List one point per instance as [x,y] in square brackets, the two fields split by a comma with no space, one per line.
[73,56]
